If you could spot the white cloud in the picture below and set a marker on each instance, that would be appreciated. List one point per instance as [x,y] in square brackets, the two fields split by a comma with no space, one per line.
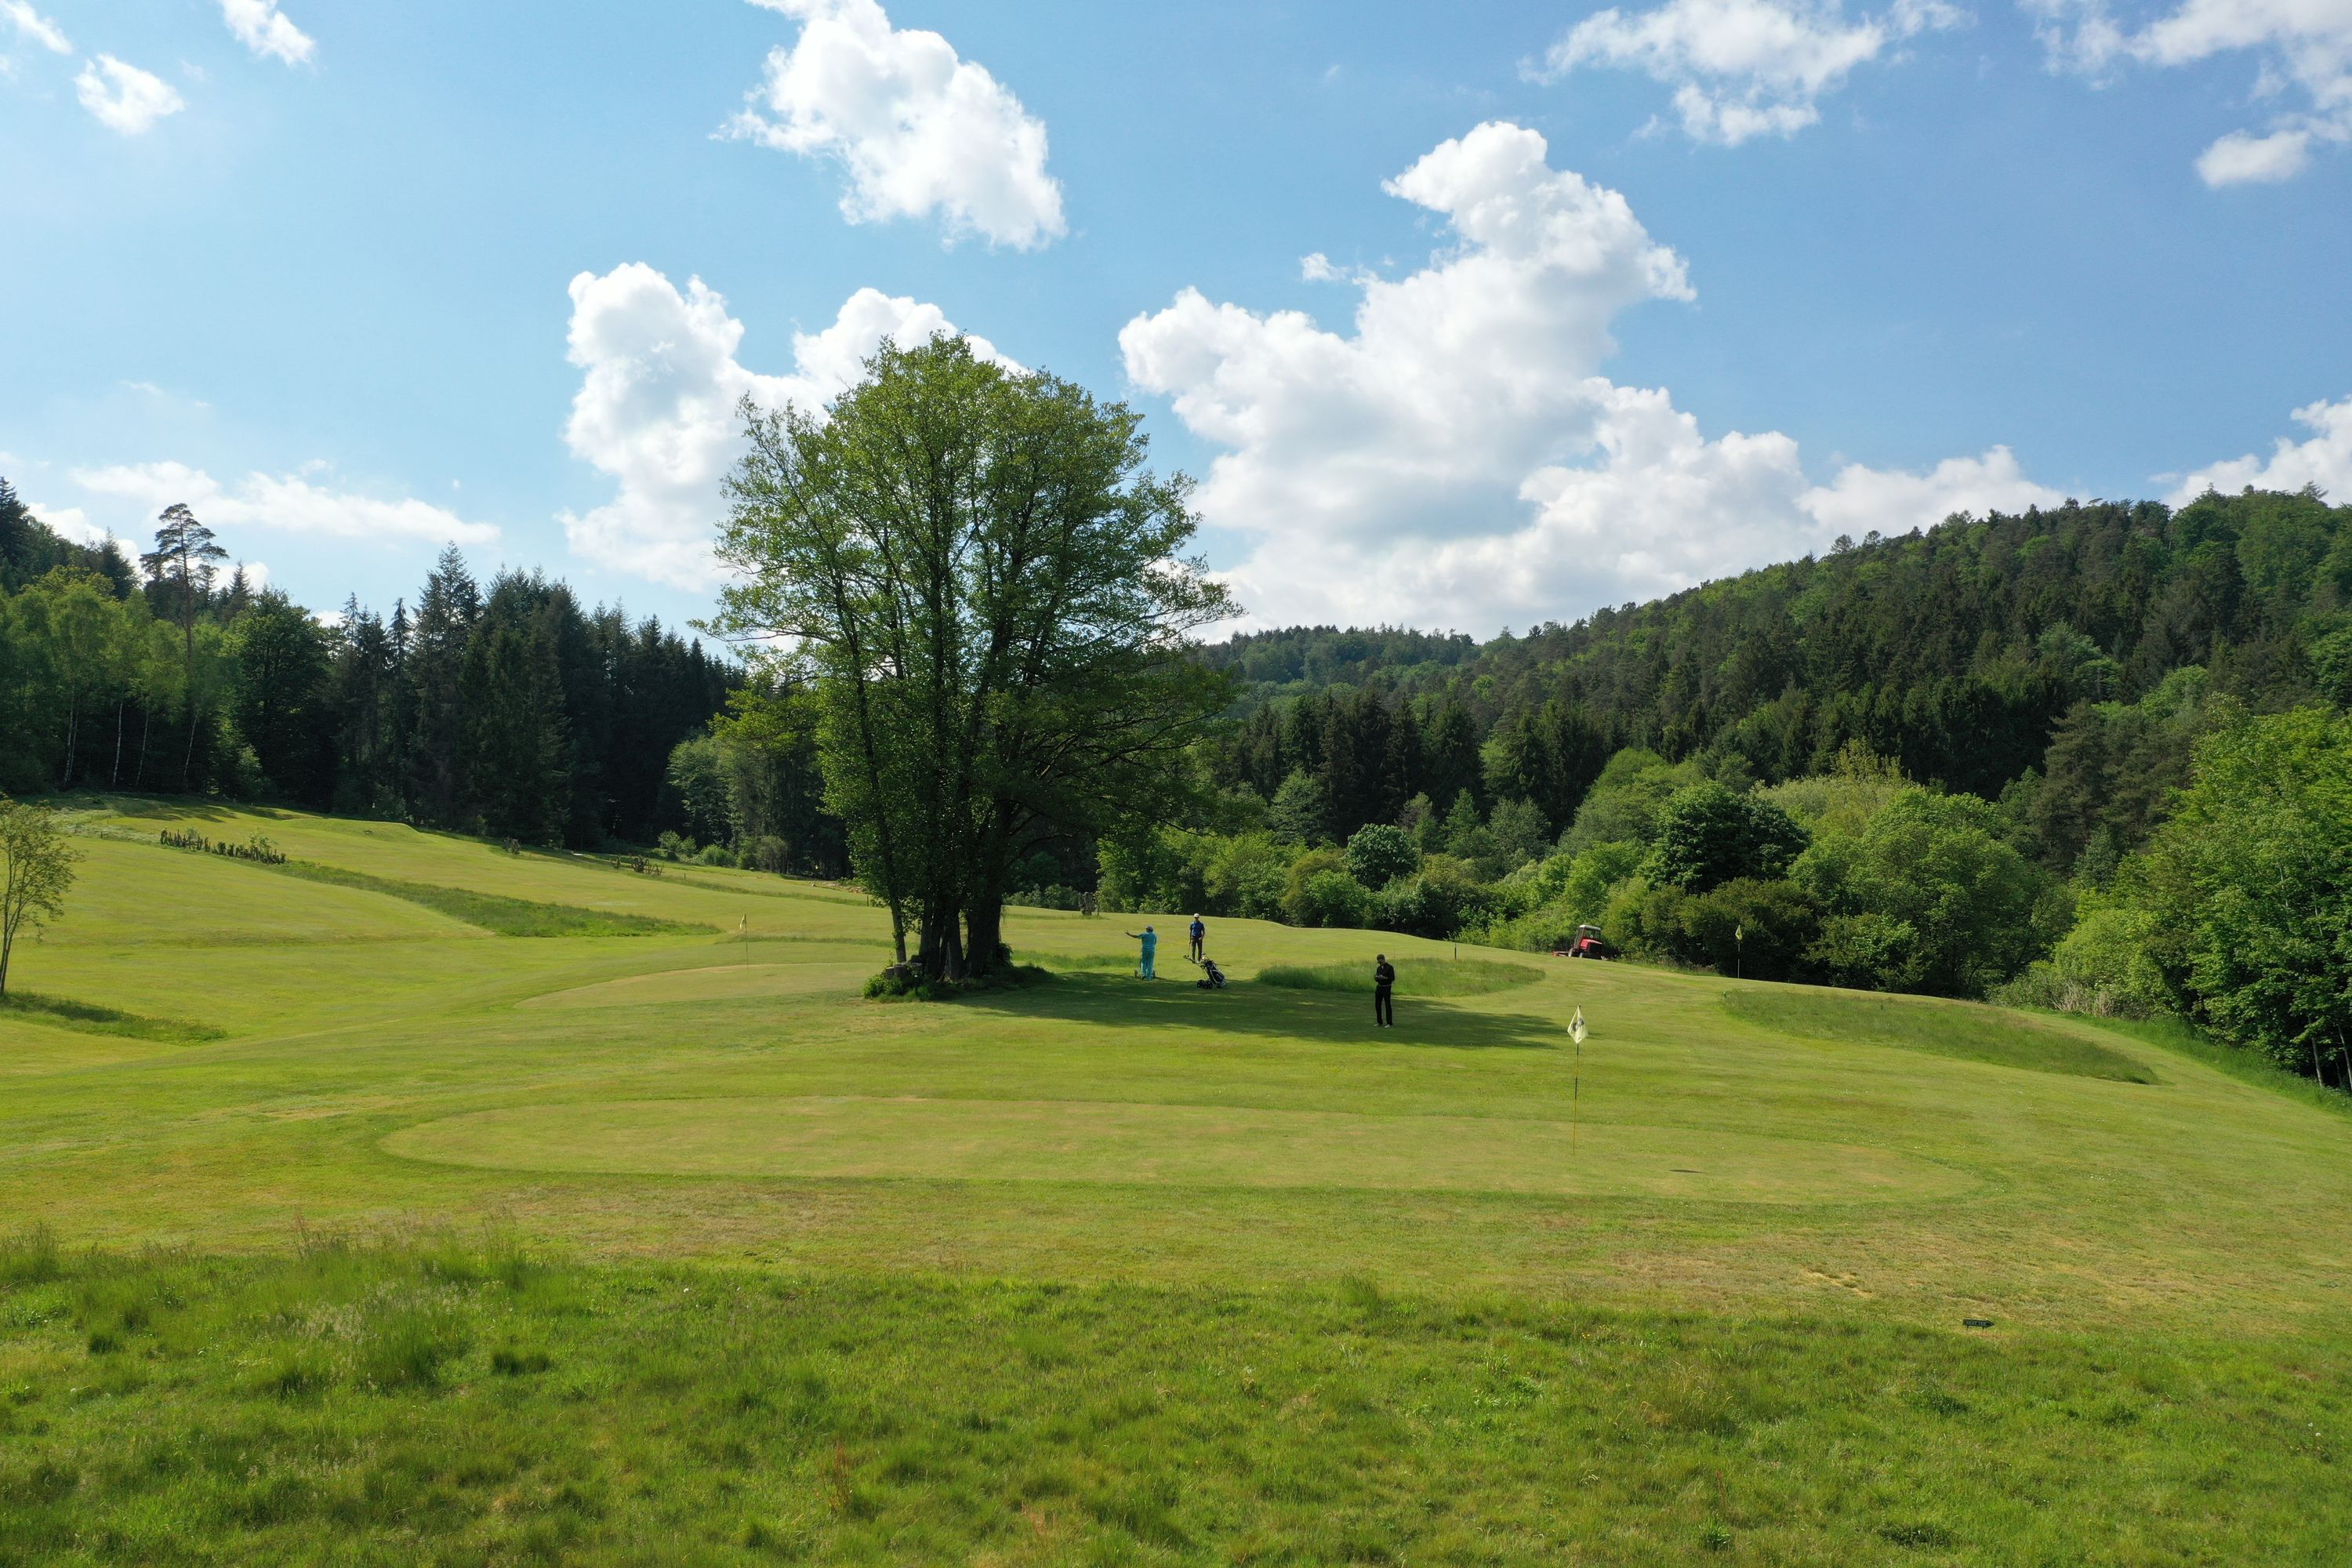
[69,520]
[2302,50]
[918,130]
[34,28]
[1890,500]
[284,501]
[1742,69]
[262,28]
[1460,461]
[656,409]
[123,98]
[2238,159]
[2324,460]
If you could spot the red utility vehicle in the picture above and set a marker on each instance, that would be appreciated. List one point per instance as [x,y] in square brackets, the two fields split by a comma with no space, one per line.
[1588,943]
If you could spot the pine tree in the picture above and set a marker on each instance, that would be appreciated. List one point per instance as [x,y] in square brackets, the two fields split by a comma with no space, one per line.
[180,564]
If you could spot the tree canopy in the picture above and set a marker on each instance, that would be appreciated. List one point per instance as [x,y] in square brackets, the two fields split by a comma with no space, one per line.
[980,587]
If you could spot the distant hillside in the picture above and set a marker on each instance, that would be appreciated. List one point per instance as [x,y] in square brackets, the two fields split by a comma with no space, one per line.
[1966,652]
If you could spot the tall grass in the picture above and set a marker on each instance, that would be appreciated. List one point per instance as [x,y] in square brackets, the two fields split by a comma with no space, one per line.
[436,1401]
[64,1012]
[1971,1034]
[1417,977]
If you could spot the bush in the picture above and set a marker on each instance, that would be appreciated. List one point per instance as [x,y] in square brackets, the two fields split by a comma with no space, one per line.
[716,854]
[767,853]
[1329,898]
[1248,878]
[1938,865]
[1441,902]
[1379,854]
[1866,951]
[675,846]
[1707,835]
[1761,930]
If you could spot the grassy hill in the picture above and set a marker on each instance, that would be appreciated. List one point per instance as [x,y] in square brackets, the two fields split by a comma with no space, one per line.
[348,1228]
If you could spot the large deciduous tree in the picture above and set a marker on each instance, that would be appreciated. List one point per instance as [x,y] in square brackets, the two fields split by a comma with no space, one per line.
[979,583]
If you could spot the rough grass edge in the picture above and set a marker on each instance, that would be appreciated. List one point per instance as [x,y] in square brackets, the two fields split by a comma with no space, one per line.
[495,912]
[64,1012]
[2184,1038]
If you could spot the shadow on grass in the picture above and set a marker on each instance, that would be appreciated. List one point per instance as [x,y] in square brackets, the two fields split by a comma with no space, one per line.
[1246,1007]
[167,808]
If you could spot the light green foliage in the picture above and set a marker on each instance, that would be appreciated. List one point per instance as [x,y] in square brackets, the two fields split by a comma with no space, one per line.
[1519,834]
[1296,815]
[1379,854]
[2106,967]
[697,780]
[1844,799]
[1326,897]
[36,868]
[1627,800]
[2247,886]
[1247,877]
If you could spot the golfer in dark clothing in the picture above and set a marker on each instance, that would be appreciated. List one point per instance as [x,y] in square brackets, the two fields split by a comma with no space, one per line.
[1199,935]
[1383,992]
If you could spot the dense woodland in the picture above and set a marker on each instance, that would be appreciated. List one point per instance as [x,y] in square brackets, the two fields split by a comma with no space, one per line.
[2014,755]
[508,710]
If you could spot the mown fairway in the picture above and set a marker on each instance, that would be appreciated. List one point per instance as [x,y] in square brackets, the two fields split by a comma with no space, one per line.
[417,1242]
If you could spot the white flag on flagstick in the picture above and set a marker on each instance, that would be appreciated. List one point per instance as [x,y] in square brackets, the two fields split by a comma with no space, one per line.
[1576,1027]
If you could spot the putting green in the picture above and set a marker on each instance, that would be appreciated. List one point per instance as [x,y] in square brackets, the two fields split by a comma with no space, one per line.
[1197,1145]
[714,982]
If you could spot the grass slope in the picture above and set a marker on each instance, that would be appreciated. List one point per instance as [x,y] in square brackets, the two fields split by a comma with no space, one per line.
[1105,1270]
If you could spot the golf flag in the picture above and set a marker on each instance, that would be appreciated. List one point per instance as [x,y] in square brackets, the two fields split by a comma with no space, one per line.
[1576,1027]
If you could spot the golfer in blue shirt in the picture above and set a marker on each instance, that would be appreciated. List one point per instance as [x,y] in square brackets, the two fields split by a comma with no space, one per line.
[1151,942]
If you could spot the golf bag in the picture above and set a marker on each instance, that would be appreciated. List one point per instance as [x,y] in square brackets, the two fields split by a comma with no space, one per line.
[1211,977]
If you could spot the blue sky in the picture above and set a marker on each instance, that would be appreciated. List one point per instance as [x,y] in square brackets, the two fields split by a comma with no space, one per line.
[1607,300]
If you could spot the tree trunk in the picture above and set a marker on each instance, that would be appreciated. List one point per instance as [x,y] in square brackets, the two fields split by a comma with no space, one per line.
[73,733]
[146,729]
[114,779]
[188,757]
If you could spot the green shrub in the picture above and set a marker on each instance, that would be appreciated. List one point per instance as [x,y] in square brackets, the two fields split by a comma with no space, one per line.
[1381,853]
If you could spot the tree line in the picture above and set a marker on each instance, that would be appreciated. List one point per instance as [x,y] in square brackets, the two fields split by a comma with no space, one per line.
[507,709]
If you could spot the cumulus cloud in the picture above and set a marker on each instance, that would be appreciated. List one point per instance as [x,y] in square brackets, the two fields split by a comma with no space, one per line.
[1743,68]
[123,98]
[34,28]
[283,501]
[2324,460]
[69,520]
[2303,52]
[656,409]
[263,28]
[1459,459]
[918,130]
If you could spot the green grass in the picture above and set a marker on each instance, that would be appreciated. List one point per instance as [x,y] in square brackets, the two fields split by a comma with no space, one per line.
[1439,977]
[1105,1270]
[93,1018]
[1969,1034]
[389,1405]
[493,913]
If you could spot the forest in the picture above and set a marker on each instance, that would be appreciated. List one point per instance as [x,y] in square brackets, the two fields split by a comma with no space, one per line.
[2058,757]
[508,710]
